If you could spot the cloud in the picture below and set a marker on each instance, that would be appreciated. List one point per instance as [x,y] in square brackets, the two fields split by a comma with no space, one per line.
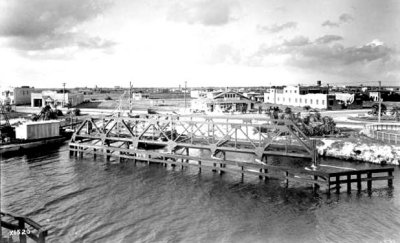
[329,23]
[326,39]
[48,24]
[297,41]
[205,12]
[278,27]
[373,60]
[343,18]
[319,55]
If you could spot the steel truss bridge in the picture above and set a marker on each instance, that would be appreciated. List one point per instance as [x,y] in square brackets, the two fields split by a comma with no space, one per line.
[177,139]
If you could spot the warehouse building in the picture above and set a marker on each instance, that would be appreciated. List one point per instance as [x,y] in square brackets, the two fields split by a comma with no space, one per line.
[54,98]
[16,95]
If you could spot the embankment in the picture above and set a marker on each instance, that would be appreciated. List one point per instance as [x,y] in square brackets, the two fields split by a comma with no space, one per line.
[360,149]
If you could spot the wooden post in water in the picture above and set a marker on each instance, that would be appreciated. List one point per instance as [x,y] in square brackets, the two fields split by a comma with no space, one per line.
[94,153]
[81,152]
[358,182]
[337,184]
[369,182]
[21,226]
[265,176]
[348,183]
[242,173]
[315,185]
[221,165]
[328,190]
[287,179]
[200,166]
[390,180]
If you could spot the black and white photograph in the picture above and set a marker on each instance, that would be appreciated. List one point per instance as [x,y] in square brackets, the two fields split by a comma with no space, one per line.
[226,121]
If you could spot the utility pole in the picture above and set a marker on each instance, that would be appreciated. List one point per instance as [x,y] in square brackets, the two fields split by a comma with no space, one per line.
[63,103]
[184,94]
[130,97]
[380,103]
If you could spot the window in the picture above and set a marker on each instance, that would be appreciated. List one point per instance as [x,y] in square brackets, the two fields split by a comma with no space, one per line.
[310,101]
[11,93]
[278,98]
[289,100]
[305,101]
[316,101]
[295,100]
[285,91]
[323,102]
[283,99]
[300,100]
[295,91]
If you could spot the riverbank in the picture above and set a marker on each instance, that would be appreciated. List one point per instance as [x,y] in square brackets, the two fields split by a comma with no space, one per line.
[361,149]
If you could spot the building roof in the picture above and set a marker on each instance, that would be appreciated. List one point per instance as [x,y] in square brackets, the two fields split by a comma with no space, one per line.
[225,92]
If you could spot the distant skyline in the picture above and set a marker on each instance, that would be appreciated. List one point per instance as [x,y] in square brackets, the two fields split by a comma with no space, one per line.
[44,43]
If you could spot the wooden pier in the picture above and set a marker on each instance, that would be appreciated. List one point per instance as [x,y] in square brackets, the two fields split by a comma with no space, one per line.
[205,141]
[22,227]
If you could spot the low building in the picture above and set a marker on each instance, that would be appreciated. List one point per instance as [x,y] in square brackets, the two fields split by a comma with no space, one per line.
[223,101]
[256,96]
[139,96]
[54,98]
[16,95]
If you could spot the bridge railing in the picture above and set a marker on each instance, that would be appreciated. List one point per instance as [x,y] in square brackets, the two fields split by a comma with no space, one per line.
[22,226]
[386,132]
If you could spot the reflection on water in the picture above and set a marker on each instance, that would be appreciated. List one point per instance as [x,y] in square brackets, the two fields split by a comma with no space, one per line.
[88,200]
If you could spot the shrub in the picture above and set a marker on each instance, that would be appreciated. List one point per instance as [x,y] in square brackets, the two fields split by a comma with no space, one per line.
[76,112]
[59,113]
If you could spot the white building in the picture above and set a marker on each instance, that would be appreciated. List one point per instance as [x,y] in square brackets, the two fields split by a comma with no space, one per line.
[54,98]
[313,96]
[139,96]
[16,95]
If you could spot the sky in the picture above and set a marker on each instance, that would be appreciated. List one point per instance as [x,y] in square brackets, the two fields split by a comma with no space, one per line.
[153,43]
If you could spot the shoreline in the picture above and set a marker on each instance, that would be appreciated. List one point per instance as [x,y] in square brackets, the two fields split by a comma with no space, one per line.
[359,149]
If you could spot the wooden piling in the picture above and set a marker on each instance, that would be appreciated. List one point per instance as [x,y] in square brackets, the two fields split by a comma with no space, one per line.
[390,180]
[369,182]
[359,182]
[287,179]
[348,183]
[328,190]
[21,226]
[337,184]
[315,185]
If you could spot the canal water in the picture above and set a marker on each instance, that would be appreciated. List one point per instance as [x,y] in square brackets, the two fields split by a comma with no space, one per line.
[86,200]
